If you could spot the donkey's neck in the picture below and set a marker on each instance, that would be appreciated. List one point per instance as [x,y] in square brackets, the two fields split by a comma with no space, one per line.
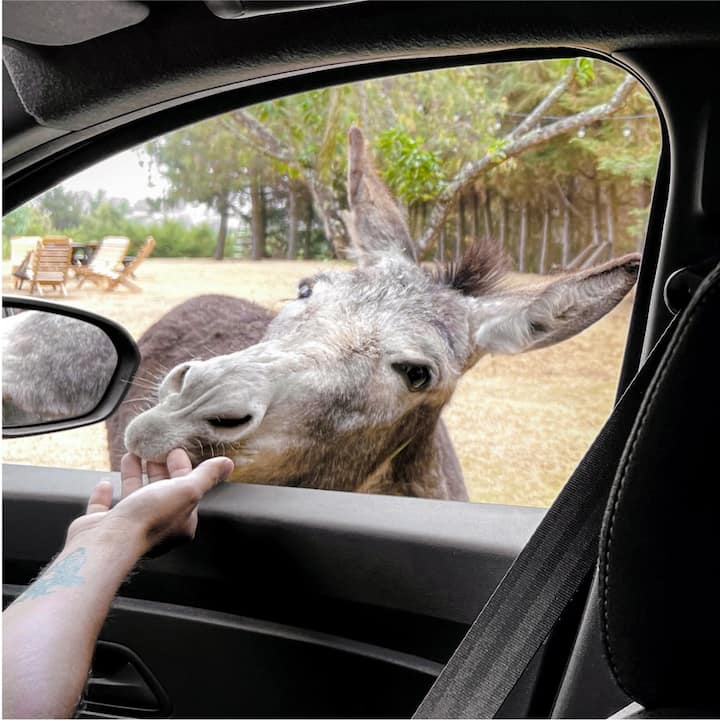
[420,467]
[415,460]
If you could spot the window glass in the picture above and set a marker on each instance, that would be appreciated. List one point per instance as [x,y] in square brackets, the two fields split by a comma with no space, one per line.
[550,162]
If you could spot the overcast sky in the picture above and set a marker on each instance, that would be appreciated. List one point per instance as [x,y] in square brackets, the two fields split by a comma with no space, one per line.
[120,176]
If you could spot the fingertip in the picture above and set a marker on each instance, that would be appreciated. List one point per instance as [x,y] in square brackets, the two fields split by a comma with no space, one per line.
[224,466]
[226,471]
[178,462]
[100,497]
[130,462]
[220,466]
[179,454]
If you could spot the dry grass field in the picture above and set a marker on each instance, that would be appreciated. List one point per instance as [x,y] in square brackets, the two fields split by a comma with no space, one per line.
[519,424]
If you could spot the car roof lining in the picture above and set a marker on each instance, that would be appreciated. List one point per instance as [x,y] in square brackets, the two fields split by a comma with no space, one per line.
[82,148]
[181,49]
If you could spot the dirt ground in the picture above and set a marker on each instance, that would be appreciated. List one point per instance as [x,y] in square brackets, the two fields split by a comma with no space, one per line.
[519,424]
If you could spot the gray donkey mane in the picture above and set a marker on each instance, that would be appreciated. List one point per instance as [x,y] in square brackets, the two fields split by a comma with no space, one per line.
[481,270]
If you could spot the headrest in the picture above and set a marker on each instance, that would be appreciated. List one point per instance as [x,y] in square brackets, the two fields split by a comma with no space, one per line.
[660,545]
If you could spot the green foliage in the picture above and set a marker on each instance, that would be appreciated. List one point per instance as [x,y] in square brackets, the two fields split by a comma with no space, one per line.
[584,70]
[175,240]
[424,128]
[412,173]
[172,238]
[106,219]
[64,207]
[495,150]
[25,220]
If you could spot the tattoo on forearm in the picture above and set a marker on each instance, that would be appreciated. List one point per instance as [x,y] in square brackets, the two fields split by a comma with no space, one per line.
[63,574]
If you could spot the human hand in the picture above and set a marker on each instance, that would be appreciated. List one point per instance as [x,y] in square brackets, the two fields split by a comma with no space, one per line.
[163,511]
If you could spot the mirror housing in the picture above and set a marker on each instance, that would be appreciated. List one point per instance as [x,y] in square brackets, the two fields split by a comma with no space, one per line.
[128,360]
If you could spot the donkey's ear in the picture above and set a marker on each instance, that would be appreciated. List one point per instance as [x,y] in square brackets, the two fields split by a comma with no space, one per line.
[514,321]
[374,222]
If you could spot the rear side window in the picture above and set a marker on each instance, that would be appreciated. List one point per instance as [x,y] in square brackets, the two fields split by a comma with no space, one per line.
[548,166]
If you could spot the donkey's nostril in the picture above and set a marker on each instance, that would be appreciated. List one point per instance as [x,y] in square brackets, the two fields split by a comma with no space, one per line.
[229,422]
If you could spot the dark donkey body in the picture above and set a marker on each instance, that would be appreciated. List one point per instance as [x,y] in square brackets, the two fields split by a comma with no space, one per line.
[345,389]
[210,325]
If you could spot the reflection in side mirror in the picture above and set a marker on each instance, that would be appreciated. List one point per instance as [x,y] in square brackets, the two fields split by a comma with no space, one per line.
[61,367]
[54,367]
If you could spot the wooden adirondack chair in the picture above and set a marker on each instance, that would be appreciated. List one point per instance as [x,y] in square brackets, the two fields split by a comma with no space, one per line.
[49,263]
[107,259]
[21,250]
[20,246]
[113,278]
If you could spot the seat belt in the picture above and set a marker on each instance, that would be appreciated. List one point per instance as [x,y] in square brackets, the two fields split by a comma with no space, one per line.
[545,576]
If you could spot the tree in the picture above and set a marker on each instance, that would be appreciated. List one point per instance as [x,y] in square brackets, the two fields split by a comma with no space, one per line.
[28,219]
[205,164]
[534,153]
[65,208]
[304,138]
[525,136]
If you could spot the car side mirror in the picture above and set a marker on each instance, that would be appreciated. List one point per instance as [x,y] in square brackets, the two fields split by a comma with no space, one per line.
[62,367]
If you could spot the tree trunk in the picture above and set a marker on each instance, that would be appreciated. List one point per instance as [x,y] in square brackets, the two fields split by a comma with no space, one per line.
[567,226]
[523,237]
[257,215]
[503,221]
[415,215]
[318,180]
[475,213]
[459,228]
[441,246]
[487,216]
[222,232]
[545,236]
[327,210]
[610,216]
[565,239]
[308,231]
[595,216]
[292,222]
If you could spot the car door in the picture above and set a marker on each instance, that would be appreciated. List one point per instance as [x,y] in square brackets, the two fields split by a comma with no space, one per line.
[295,601]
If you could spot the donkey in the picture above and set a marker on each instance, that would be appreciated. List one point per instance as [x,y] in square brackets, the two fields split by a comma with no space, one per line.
[346,387]
[211,325]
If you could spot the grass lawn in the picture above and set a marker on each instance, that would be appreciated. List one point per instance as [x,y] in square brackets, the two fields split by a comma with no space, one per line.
[519,424]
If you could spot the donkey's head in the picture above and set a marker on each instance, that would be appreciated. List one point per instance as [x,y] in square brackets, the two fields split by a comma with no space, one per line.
[348,383]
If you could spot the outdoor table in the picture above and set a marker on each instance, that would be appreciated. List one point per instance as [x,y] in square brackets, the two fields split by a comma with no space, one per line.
[82,253]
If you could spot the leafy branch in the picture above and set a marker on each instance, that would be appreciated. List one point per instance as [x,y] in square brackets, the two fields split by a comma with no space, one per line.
[517,141]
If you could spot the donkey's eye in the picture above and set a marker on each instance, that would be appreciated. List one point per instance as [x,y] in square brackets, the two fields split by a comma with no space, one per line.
[417,377]
[231,422]
[304,291]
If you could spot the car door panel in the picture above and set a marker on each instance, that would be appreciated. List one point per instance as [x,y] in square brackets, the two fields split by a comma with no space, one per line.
[316,603]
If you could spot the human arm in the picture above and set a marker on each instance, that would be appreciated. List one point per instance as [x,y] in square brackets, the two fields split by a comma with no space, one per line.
[49,632]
